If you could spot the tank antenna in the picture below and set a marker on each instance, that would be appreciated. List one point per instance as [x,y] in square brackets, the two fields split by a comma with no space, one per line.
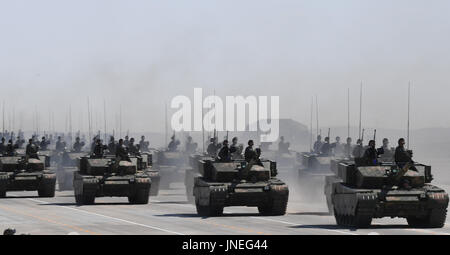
[348,112]
[409,107]
[317,116]
[311,124]
[360,111]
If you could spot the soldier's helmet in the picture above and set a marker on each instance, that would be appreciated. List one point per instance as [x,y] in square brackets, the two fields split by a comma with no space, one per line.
[250,142]
[132,140]
[235,139]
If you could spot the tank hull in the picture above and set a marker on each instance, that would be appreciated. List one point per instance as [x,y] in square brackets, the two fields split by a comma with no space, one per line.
[44,182]
[270,197]
[87,188]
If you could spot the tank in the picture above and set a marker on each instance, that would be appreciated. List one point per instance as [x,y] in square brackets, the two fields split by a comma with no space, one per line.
[170,166]
[145,164]
[66,167]
[315,164]
[239,184]
[357,194]
[192,172]
[22,174]
[98,177]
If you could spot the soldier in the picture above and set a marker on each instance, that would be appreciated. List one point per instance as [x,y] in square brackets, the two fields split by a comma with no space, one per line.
[19,142]
[112,145]
[99,149]
[2,146]
[122,151]
[282,146]
[44,144]
[403,156]
[387,154]
[132,148]
[190,146]
[77,146]
[236,149]
[358,150]
[212,147]
[348,147]
[371,155]
[224,153]
[31,150]
[173,145]
[60,145]
[143,145]
[10,148]
[250,153]
[337,147]
[326,147]
[126,142]
[318,144]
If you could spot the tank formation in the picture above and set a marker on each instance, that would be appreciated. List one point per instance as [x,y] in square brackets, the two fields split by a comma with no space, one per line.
[357,187]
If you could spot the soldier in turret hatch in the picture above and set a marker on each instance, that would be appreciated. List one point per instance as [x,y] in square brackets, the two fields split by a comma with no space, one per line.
[283,147]
[236,149]
[348,148]
[191,147]
[212,147]
[31,150]
[371,154]
[112,146]
[224,153]
[337,147]
[358,151]
[60,145]
[78,146]
[318,144]
[2,146]
[386,153]
[133,149]
[173,145]
[143,145]
[10,149]
[44,144]
[326,147]
[126,141]
[403,156]
[250,153]
[99,149]
[19,142]
[122,151]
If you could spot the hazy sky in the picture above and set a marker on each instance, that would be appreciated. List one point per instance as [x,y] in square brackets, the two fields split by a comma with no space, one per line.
[142,53]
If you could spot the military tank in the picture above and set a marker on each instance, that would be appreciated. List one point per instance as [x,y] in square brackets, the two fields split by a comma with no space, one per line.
[313,164]
[239,184]
[192,172]
[144,163]
[21,174]
[66,168]
[98,177]
[170,166]
[360,193]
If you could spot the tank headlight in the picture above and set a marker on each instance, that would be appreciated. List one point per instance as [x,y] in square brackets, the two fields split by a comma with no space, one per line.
[266,188]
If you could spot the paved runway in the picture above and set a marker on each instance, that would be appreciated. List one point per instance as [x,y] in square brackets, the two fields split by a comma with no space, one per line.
[170,214]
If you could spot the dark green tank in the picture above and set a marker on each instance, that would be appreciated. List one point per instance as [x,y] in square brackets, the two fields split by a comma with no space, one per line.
[99,177]
[21,174]
[144,162]
[66,167]
[239,184]
[357,194]
[192,172]
[170,166]
[315,165]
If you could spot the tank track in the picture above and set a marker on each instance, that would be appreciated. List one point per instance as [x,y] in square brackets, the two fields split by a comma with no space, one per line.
[355,210]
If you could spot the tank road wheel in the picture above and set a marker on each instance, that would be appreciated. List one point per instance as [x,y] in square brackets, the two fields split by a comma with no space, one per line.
[140,197]
[209,211]
[85,199]
[434,219]
[47,190]
[353,221]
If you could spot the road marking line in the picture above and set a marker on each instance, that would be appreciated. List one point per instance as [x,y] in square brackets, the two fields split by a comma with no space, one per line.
[49,220]
[296,224]
[109,217]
